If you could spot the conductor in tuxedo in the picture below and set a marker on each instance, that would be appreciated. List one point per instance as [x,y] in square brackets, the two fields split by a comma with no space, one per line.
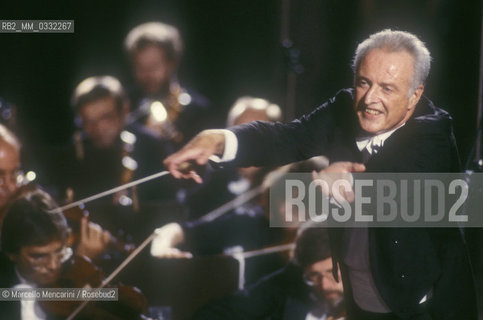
[384,122]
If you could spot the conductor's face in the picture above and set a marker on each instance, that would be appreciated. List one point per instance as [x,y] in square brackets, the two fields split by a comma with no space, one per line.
[383,98]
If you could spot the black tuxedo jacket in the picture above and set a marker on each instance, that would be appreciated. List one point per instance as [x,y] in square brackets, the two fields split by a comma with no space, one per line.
[8,279]
[405,263]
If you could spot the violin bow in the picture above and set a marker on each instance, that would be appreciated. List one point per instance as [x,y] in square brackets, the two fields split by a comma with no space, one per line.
[241,199]
[113,274]
[133,254]
[110,191]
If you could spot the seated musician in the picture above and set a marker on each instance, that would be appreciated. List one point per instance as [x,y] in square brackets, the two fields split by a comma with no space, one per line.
[93,238]
[33,247]
[305,289]
[107,154]
[159,102]
[34,254]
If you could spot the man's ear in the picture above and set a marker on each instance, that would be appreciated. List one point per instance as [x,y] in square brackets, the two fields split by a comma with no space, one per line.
[414,98]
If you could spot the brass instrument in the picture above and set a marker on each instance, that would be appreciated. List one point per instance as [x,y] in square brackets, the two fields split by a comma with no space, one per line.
[162,114]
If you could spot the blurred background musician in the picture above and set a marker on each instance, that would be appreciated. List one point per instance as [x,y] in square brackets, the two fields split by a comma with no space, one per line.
[107,154]
[159,102]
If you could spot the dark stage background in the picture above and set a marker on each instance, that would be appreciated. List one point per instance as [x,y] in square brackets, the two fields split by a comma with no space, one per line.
[232,48]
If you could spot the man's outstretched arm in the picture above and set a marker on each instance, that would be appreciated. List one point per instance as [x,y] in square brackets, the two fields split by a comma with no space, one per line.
[198,150]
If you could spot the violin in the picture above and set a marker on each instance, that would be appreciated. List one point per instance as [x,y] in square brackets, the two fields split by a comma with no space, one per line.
[79,272]
[74,217]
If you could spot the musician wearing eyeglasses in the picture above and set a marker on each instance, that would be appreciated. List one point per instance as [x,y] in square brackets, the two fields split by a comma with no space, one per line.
[33,245]
[305,289]
[107,152]
[93,238]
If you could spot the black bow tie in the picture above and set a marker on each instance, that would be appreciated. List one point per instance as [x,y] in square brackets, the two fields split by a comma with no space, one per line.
[366,154]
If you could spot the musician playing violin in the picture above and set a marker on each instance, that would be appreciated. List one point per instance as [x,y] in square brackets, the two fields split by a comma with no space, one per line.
[33,247]
[93,238]
[35,254]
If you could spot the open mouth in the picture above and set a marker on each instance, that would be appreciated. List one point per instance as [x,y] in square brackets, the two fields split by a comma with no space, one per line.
[373,112]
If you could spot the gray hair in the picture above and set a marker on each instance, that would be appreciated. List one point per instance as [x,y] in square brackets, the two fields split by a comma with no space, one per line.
[242,104]
[159,34]
[395,41]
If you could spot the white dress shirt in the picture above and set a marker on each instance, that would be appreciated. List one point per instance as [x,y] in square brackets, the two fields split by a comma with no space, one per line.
[29,308]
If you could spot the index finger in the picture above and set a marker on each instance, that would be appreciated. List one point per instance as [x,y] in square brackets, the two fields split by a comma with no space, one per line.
[358,167]
[174,161]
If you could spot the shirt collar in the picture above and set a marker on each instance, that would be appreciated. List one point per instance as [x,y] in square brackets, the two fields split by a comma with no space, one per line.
[367,142]
[24,281]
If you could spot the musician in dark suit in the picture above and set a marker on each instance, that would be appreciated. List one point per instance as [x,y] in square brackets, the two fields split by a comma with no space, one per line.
[107,147]
[393,273]
[33,247]
[158,101]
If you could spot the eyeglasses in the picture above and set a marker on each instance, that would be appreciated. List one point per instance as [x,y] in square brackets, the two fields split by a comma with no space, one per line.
[314,278]
[41,261]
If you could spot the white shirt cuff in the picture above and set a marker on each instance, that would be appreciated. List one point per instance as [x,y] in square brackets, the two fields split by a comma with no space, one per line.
[231,146]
